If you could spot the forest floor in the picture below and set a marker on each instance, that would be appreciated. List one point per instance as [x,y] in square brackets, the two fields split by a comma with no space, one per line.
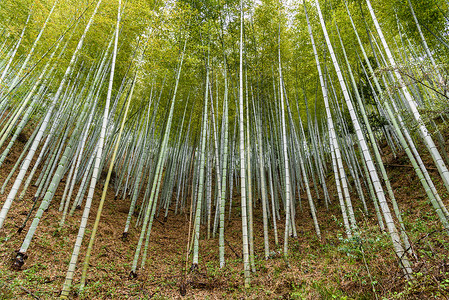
[333,268]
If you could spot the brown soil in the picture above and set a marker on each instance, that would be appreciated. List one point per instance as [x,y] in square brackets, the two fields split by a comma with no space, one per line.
[327,269]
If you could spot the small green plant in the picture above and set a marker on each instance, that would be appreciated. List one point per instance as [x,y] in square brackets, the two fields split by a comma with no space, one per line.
[352,247]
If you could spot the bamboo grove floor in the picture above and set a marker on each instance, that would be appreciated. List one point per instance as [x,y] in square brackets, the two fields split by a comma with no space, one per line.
[333,268]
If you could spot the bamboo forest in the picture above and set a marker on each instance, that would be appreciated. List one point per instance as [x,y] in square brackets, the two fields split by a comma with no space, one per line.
[224,149]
